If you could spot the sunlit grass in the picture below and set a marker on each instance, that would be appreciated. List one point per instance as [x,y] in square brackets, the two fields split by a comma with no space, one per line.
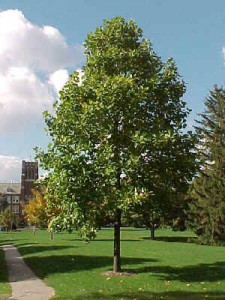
[168,268]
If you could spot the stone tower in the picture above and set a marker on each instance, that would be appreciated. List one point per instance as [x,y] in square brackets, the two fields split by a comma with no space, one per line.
[28,177]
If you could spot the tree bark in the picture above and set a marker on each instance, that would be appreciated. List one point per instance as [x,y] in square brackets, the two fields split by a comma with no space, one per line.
[34,230]
[51,234]
[117,220]
[117,225]
[152,231]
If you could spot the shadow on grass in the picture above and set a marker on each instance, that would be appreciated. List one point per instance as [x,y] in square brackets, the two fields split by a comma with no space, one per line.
[173,295]
[7,242]
[47,265]
[175,239]
[197,273]
[51,264]
[15,241]
[5,290]
[31,248]
[3,272]
[112,240]
[103,240]
[74,263]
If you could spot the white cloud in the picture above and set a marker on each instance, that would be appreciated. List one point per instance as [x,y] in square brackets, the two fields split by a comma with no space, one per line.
[58,79]
[23,97]
[33,62]
[10,168]
[40,48]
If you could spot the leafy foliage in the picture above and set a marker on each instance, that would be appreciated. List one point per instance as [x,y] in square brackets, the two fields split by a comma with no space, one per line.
[208,189]
[36,210]
[7,219]
[115,134]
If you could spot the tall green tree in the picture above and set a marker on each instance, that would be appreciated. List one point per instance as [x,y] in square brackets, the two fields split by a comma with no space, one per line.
[208,188]
[109,130]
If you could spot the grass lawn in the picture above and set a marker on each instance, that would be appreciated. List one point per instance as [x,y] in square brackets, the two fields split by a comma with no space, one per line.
[5,289]
[168,268]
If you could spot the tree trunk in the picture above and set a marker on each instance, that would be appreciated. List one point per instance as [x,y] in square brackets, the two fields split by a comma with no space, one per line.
[152,231]
[117,220]
[34,230]
[117,224]
[51,234]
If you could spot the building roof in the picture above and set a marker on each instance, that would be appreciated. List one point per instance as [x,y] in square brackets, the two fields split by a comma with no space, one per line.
[10,188]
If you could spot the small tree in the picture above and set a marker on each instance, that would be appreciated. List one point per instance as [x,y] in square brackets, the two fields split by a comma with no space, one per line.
[7,219]
[108,130]
[36,210]
[208,189]
[153,211]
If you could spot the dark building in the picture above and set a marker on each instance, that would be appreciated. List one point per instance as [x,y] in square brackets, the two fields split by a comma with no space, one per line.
[13,196]
[28,177]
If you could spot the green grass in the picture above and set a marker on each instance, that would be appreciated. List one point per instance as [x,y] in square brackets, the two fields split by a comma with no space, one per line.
[5,289]
[168,268]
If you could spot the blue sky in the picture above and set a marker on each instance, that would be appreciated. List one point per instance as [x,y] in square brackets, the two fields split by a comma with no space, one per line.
[41,43]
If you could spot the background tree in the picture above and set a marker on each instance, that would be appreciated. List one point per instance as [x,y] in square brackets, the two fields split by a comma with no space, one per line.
[7,219]
[3,202]
[164,209]
[208,188]
[36,210]
[108,131]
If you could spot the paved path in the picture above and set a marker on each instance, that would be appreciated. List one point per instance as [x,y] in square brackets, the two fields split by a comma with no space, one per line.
[25,284]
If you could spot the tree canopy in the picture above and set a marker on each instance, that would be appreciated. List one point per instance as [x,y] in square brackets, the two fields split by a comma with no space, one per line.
[117,133]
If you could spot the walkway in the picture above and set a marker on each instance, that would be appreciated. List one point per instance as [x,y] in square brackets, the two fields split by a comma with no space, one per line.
[25,284]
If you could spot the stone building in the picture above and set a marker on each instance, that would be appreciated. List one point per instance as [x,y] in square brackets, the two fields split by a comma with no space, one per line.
[15,195]
[28,177]
[10,194]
